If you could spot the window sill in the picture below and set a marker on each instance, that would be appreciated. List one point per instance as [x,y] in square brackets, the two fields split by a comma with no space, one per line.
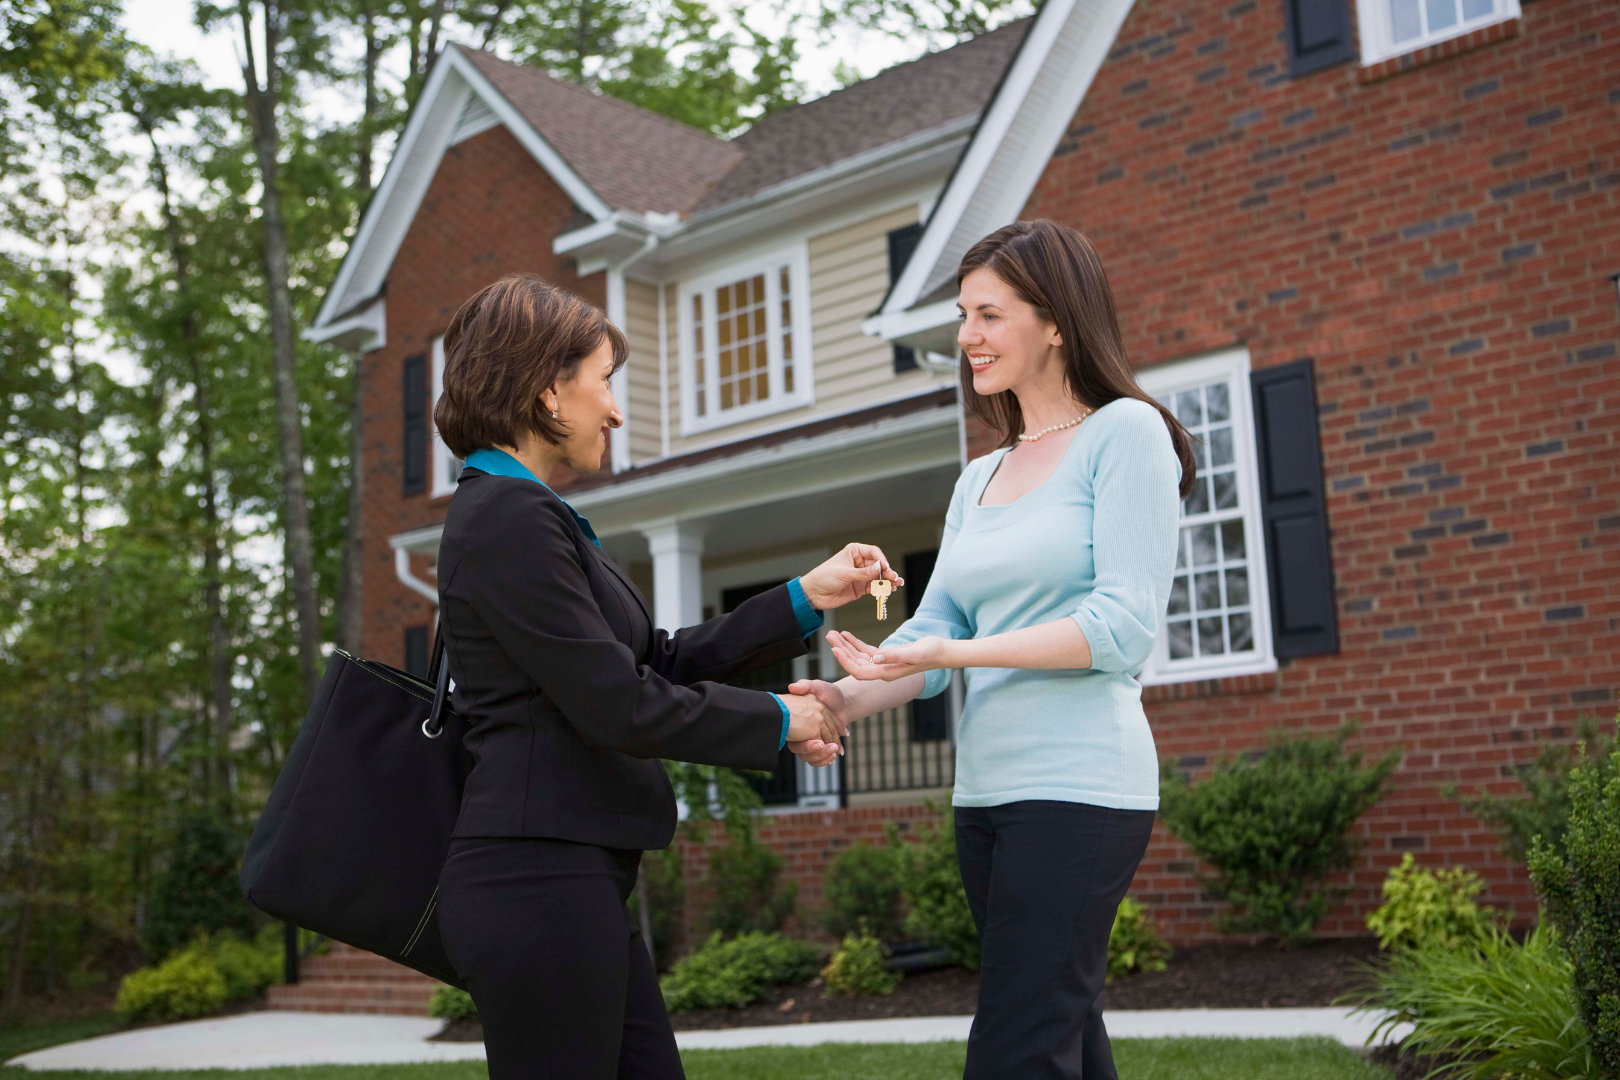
[1230,685]
[1440,50]
[698,425]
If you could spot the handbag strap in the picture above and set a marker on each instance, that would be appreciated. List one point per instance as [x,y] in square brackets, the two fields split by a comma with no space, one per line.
[439,676]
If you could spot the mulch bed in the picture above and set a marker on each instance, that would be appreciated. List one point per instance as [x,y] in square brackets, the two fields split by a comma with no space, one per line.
[1218,976]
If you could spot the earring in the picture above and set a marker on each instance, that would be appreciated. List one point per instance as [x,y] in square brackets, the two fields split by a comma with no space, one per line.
[554,414]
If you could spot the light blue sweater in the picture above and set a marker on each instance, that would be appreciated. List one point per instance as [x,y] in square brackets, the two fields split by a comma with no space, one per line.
[1096,543]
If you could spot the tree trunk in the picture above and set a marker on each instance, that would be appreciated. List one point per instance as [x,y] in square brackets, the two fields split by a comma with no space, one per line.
[261,108]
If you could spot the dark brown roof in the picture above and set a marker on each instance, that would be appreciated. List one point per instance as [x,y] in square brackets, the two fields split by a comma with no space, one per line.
[634,159]
[637,160]
[905,99]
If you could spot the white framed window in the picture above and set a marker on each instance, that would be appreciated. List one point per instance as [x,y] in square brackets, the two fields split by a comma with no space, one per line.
[446,466]
[745,341]
[1391,28]
[1219,618]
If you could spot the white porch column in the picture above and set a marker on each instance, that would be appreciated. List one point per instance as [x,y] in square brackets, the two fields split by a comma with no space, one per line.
[677,555]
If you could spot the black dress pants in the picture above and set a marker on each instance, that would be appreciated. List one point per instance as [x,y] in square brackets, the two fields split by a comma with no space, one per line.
[562,980]
[1043,881]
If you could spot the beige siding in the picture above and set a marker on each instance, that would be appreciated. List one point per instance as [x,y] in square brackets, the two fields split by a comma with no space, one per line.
[849,275]
[641,329]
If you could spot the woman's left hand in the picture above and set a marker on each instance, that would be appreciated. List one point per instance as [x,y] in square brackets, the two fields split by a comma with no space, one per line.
[847,576]
[869,663]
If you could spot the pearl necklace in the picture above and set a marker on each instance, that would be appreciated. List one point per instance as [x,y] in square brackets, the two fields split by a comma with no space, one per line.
[1055,427]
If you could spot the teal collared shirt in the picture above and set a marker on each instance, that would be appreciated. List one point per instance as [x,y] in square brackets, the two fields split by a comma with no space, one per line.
[500,463]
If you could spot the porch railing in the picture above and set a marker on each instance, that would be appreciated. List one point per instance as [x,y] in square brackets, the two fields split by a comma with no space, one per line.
[902,749]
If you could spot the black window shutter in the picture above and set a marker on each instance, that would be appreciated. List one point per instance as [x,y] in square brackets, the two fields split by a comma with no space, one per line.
[930,717]
[1318,34]
[1293,507]
[416,651]
[902,242]
[413,448]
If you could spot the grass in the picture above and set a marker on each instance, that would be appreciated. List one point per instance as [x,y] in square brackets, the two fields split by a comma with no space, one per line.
[24,1038]
[1138,1059]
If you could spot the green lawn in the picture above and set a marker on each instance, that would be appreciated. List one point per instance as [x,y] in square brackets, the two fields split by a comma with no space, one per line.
[1138,1059]
[22,1039]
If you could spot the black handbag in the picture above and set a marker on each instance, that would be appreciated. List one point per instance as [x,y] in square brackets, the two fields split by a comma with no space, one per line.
[357,827]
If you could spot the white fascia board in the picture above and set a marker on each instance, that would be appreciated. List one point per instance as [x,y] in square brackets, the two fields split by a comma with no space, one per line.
[931,327]
[1060,57]
[361,332]
[427,135]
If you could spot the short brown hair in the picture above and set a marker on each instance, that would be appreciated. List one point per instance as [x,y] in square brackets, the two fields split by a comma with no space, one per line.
[1055,270]
[508,344]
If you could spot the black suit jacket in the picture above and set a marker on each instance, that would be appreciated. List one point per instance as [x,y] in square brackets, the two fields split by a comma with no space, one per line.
[570,692]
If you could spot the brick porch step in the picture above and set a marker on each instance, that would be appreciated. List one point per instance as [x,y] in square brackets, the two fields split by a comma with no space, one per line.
[348,980]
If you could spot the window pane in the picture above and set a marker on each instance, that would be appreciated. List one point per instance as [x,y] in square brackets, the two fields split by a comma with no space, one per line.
[722,300]
[1200,453]
[1203,545]
[1232,540]
[1189,408]
[1220,445]
[1197,500]
[741,344]
[1218,397]
[1405,22]
[786,283]
[1442,15]
[1210,640]
[1478,9]
[1226,497]
[1181,551]
[1242,633]
[1237,587]
[1209,591]
[1180,640]
[726,395]
[1178,596]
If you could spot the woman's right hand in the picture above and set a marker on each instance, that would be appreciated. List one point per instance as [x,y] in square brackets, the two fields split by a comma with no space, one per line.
[809,718]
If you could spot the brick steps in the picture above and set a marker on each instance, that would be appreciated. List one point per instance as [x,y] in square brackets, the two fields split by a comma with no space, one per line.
[348,980]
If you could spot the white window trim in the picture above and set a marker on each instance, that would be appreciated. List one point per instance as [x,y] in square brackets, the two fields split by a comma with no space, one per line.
[797,258]
[1160,382]
[1378,33]
[440,485]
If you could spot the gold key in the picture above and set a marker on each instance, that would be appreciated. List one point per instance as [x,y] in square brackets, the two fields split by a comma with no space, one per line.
[881,588]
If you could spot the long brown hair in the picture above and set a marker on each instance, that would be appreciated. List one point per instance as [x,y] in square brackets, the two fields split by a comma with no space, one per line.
[1057,272]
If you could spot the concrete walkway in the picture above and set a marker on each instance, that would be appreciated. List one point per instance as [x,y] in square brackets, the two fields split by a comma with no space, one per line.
[267,1039]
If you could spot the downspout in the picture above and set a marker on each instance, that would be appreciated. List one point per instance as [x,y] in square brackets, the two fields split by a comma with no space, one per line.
[402,570]
[619,316]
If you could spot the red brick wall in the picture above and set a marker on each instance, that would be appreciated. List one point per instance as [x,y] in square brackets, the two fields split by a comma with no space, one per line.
[490,210]
[1440,242]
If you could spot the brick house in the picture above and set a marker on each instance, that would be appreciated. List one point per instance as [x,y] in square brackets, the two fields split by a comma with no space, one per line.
[1363,247]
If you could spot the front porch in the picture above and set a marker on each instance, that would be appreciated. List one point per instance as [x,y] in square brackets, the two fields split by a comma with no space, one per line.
[700,536]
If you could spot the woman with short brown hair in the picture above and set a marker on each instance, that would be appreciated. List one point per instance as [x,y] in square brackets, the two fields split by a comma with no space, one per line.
[571,695]
[1052,580]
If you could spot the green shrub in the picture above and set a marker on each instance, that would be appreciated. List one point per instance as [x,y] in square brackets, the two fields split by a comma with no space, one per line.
[1276,827]
[246,966]
[931,883]
[1422,906]
[186,985]
[450,1003]
[1579,883]
[667,889]
[1134,943]
[197,891]
[1543,809]
[862,892]
[748,891]
[857,969]
[1504,1009]
[732,973]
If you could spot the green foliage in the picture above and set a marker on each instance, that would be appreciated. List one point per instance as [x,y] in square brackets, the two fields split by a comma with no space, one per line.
[748,891]
[1543,808]
[198,891]
[667,889]
[1422,906]
[247,966]
[1579,883]
[1134,944]
[451,1003]
[937,907]
[857,969]
[1276,827]
[861,888]
[1505,1009]
[730,974]
[186,985]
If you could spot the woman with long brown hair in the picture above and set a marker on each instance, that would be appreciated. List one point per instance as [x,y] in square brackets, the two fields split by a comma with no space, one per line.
[1052,581]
